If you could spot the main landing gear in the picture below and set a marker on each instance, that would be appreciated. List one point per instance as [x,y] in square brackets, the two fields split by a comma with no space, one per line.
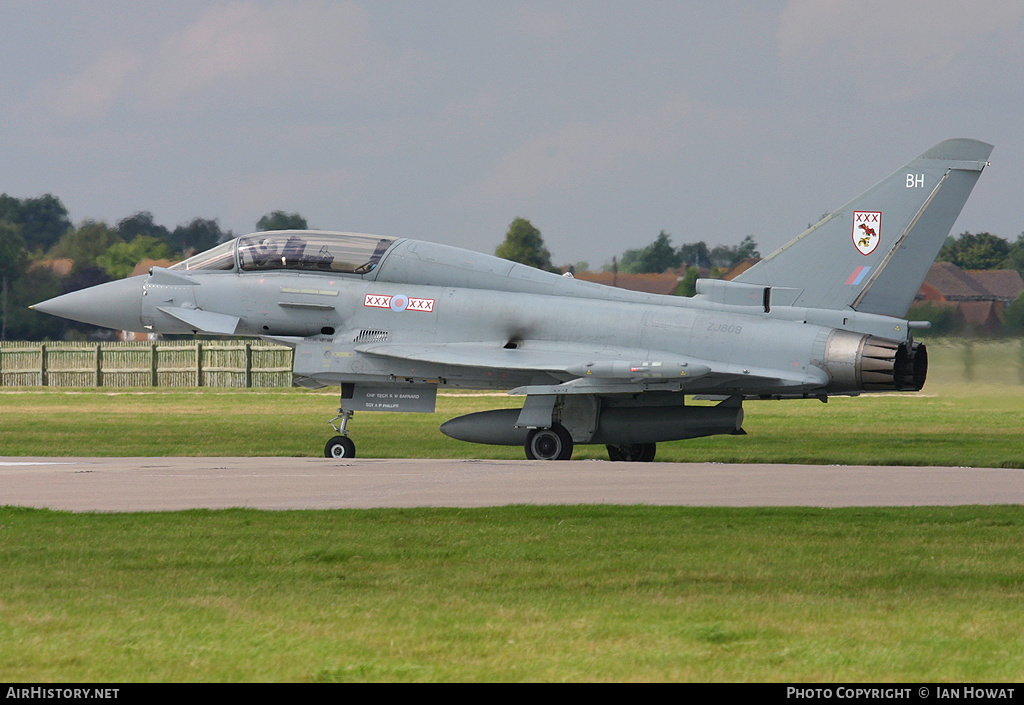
[555,443]
[638,452]
[341,446]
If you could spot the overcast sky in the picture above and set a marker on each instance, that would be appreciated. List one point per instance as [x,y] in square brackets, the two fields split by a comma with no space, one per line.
[601,122]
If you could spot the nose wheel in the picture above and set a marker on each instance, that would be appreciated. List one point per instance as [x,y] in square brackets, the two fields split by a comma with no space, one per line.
[341,446]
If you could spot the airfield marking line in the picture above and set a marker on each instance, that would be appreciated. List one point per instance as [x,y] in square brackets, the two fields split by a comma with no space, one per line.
[6,463]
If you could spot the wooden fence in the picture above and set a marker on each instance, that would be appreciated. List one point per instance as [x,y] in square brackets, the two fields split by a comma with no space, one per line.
[237,363]
[157,364]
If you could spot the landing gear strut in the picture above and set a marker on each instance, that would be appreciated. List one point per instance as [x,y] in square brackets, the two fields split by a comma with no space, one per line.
[341,446]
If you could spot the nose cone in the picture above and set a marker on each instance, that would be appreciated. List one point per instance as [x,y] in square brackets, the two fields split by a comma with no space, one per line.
[116,305]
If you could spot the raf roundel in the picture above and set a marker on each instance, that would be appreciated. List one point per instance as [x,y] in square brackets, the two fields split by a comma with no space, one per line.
[398,302]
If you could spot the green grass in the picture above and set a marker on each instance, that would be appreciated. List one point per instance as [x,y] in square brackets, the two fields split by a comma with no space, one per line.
[957,426]
[519,593]
[514,594]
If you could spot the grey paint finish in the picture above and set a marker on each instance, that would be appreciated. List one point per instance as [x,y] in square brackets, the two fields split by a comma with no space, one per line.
[821,316]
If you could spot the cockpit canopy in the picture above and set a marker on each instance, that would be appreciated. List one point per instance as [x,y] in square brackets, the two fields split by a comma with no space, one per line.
[309,250]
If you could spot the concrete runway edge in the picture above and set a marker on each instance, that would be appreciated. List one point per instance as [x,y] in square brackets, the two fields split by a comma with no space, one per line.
[164,484]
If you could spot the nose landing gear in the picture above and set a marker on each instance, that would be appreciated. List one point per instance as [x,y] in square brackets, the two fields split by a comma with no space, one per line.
[341,446]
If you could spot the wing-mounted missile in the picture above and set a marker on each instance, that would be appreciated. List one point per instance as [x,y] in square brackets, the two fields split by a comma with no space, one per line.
[637,371]
[621,377]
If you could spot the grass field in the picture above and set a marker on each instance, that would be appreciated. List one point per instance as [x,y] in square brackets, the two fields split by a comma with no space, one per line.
[519,593]
[514,594]
[976,426]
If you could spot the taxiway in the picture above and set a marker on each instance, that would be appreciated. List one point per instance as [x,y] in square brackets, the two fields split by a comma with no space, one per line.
[162,484]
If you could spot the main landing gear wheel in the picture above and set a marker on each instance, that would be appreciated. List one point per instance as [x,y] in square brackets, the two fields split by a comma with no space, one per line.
[553,443]
[637,452]
[340,447]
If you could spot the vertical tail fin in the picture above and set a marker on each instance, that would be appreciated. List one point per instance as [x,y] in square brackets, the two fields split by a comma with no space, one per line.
[873,253]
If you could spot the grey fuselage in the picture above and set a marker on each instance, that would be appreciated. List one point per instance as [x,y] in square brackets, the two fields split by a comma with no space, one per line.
[339,324]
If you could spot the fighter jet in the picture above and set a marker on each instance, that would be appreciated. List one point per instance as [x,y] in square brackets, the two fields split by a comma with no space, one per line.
[392,320]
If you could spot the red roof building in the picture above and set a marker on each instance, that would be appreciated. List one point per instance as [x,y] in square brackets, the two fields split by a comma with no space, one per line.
[979,295]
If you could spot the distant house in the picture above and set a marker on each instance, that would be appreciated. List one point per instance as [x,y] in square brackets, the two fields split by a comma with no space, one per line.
[740,268]
[1004,284]
[665,283]
[61,267]
[979,295]
[145,265]
[650,283]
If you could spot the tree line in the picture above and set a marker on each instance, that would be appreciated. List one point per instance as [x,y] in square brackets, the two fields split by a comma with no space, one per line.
[970,251]
[523,243]
[983,251]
